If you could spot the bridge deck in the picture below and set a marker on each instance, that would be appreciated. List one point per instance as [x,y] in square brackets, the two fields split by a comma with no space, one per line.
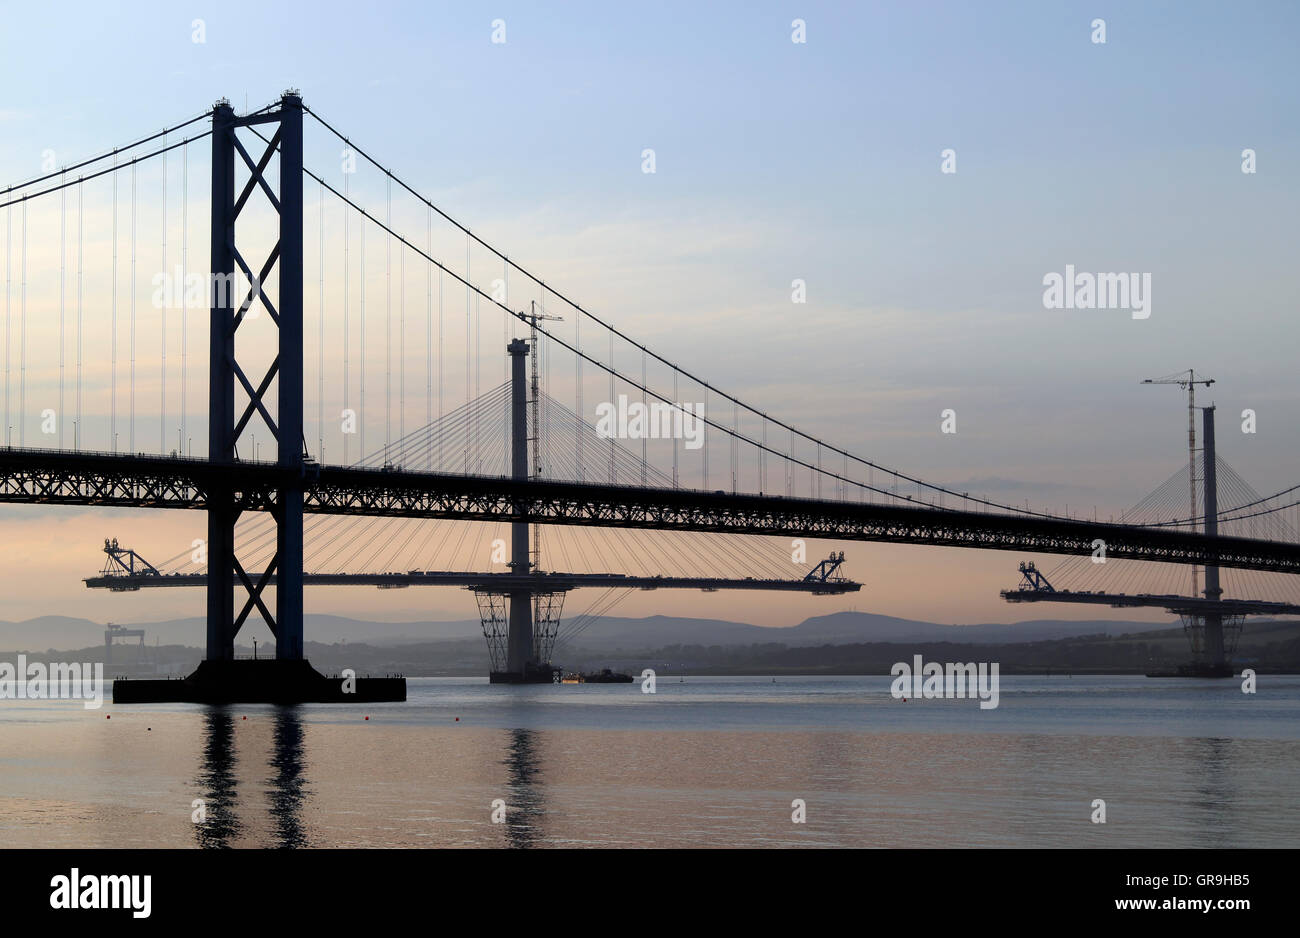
[500,582]
[1184,605]
[70,478]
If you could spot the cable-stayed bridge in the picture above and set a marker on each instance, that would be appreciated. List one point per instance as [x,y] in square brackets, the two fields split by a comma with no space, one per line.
[1212,618]
[709,464]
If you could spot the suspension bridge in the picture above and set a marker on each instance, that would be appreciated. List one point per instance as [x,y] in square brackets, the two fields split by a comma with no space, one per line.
[662,496]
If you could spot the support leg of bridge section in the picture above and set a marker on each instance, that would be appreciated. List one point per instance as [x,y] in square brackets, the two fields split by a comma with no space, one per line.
[288,593]
[221,391]
[1214,651]
[519,648]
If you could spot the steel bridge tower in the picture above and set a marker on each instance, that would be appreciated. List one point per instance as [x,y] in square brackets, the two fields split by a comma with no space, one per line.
[224,425]
[289,678]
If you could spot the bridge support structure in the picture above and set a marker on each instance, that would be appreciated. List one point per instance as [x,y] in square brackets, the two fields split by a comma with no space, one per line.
[494,615]
[288,678]
[225,426]
[526,652]
[1213,636]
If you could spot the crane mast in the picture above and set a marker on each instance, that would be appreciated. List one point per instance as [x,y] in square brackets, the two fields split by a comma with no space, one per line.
[534,407]
[1187,379]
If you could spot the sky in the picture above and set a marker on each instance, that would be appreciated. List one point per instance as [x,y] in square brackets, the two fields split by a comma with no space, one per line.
[820,161]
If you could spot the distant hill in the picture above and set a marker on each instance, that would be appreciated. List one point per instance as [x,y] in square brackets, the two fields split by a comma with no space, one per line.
[604,634]
[855,627]
[65,632]
[1269,646]
[835,629]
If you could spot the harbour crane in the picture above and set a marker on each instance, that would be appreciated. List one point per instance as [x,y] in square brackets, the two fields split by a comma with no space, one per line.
[112,632]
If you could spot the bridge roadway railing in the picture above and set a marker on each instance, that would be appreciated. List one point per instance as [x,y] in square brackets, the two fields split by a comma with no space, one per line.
[138,481]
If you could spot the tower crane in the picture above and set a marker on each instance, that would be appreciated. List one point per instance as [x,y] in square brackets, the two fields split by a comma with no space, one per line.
[1187,379]
[535,391]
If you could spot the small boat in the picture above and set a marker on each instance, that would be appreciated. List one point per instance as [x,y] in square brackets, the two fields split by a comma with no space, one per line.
[603,676]
[1195,669]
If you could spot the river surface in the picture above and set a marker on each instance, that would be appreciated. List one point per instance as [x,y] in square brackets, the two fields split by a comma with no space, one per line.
[702,762]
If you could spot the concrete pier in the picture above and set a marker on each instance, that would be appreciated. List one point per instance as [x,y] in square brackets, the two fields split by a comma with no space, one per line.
[269,680]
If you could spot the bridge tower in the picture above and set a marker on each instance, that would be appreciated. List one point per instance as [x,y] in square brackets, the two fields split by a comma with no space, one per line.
[528,614]
[1215,648]
[519,645]
[225,574]
[289,678]
[1213,636]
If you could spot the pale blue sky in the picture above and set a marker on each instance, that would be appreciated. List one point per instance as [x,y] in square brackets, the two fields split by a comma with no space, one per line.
[817,161]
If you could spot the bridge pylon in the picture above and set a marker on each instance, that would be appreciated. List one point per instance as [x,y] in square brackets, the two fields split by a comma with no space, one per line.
[224,369]
[524,654]
[289,678]
[1211,653]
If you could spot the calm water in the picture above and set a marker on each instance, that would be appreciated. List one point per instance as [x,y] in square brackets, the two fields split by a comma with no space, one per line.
[708,762]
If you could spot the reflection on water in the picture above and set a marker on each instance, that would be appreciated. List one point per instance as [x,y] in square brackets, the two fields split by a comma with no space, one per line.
[1210,767]
[713,762]
[286,789]
[524,783]
[216,780]
[287,792]
[288,785]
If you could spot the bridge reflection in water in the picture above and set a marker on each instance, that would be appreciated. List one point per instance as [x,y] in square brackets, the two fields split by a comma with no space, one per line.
[1185,764]
[218,782]
[230,797]
[525,801]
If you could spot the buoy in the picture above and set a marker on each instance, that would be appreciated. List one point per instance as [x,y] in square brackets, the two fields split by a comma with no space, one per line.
[107,717]
[367,718]
[457,719]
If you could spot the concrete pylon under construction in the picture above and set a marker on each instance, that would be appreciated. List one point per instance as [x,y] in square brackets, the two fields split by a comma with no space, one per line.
[519,644]
[520,621]
[1214,647]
